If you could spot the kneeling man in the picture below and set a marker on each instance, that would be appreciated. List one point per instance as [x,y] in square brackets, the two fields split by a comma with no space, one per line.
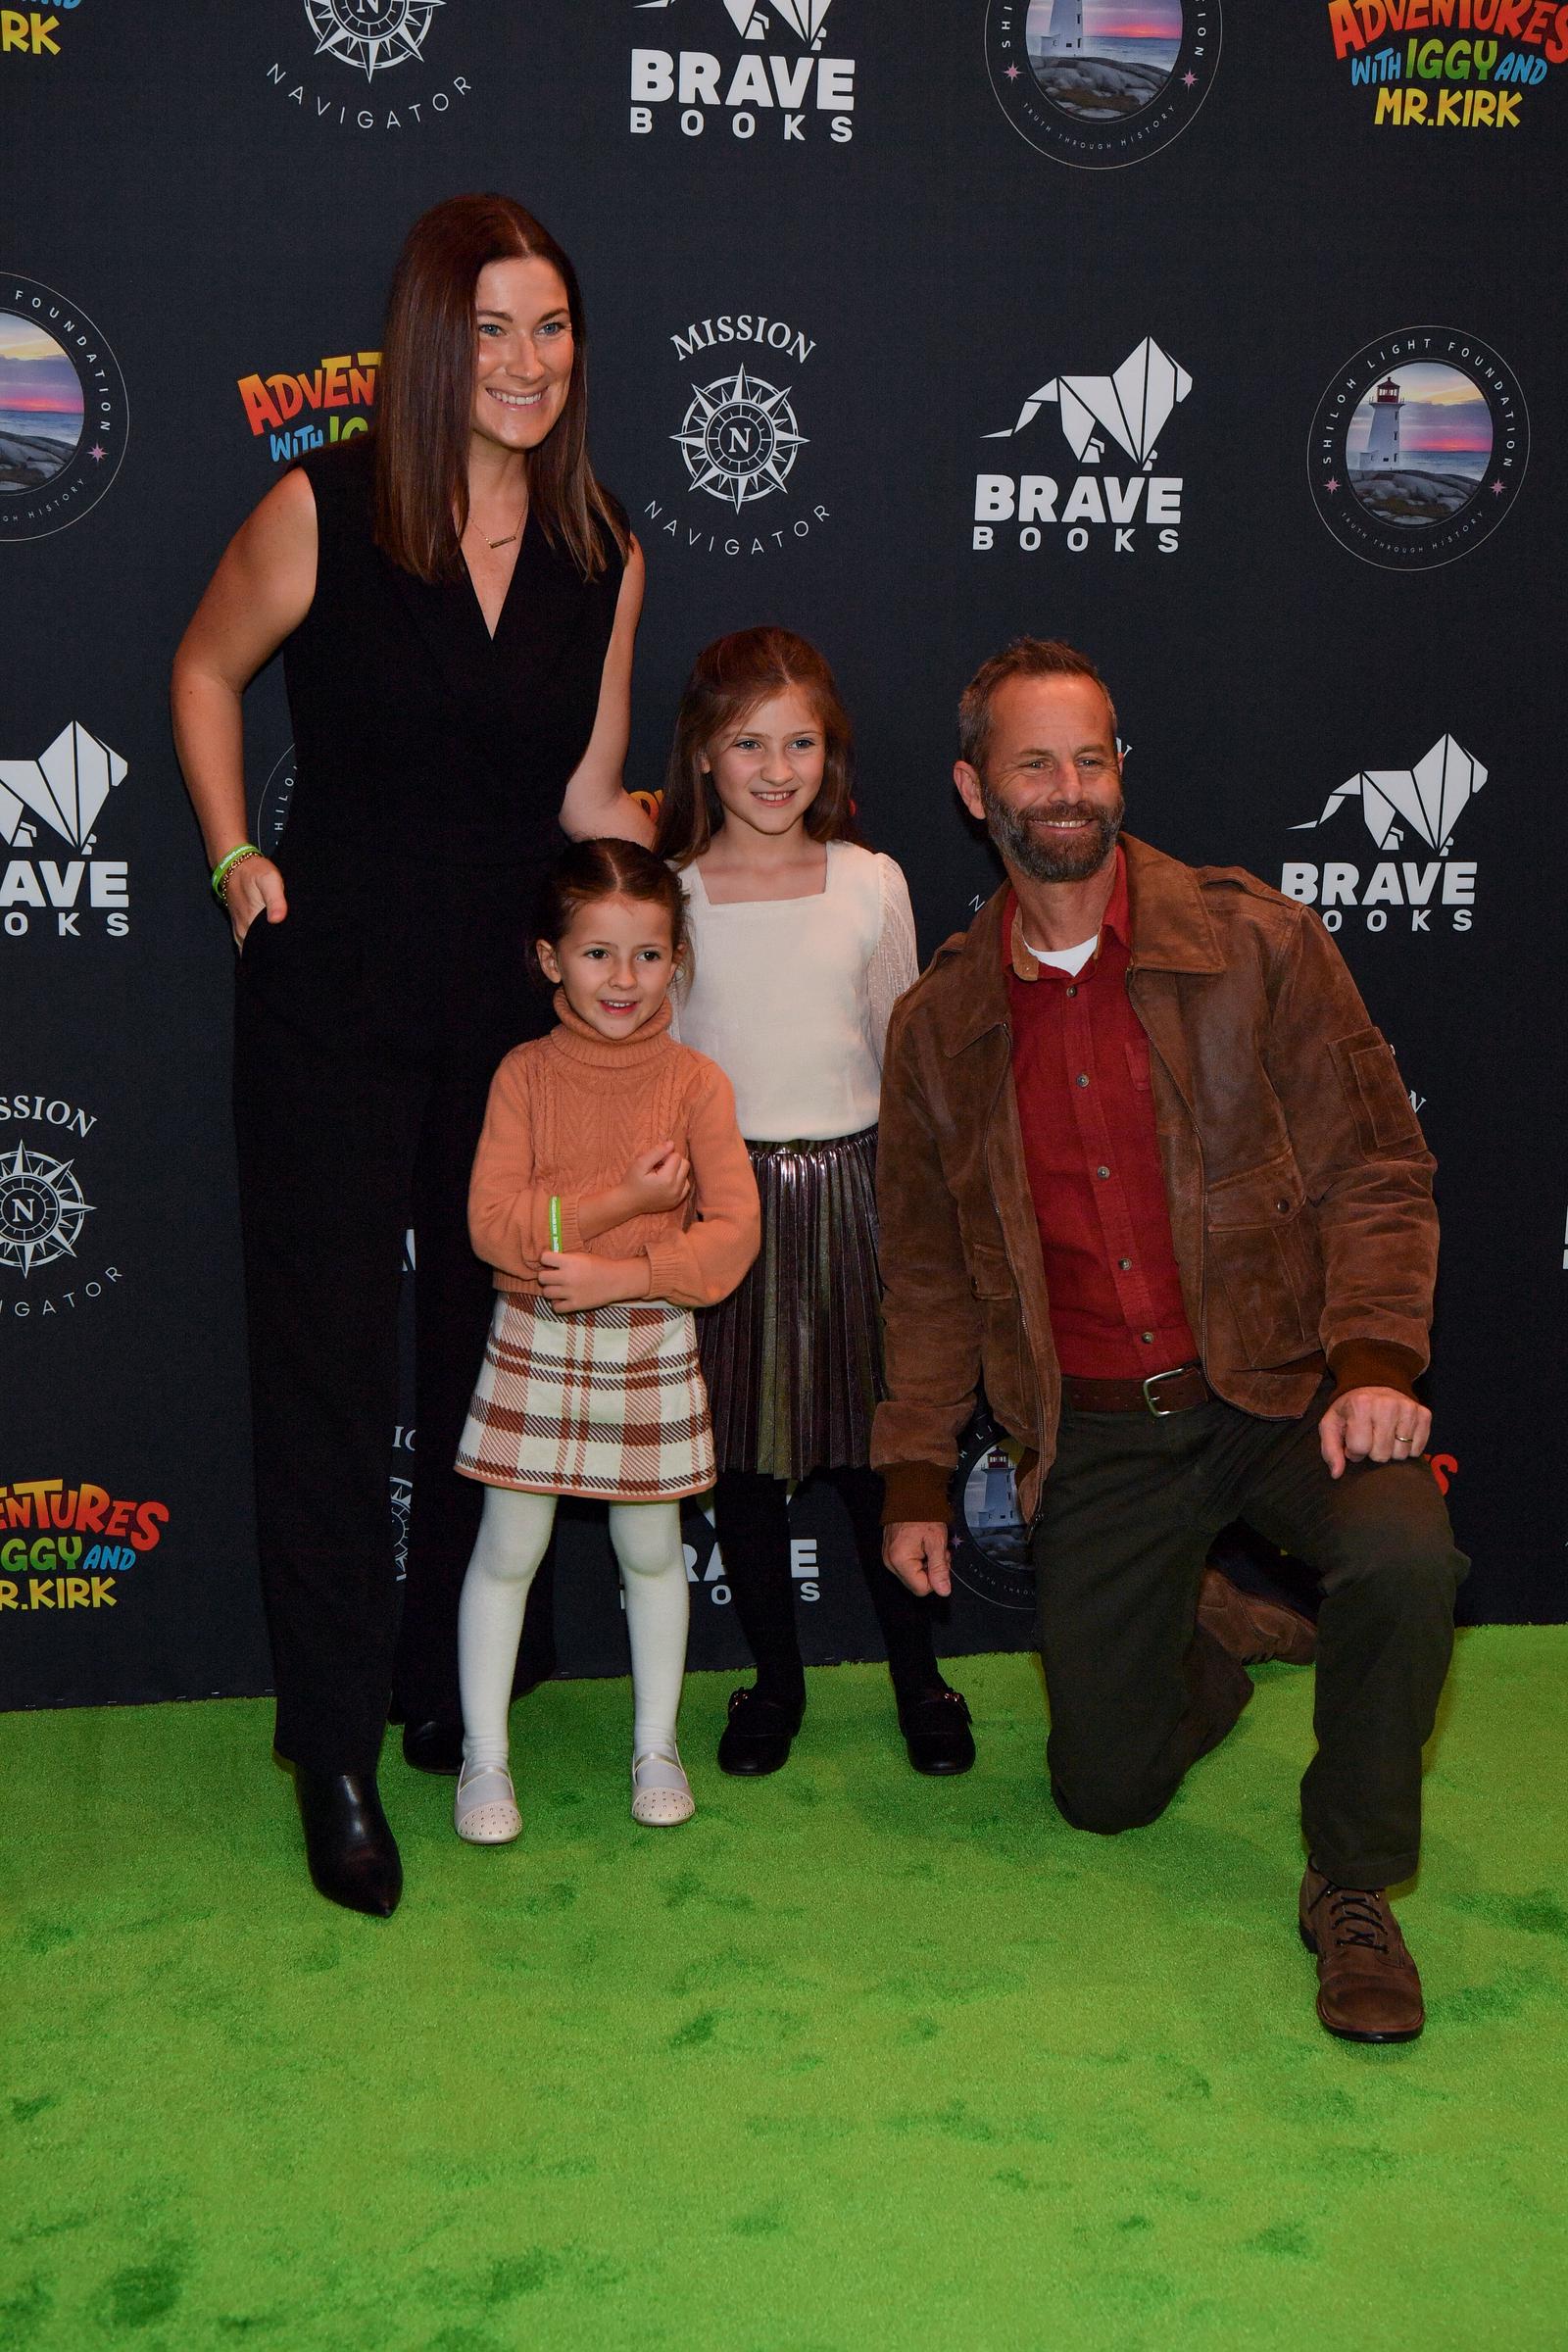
[1147,1168]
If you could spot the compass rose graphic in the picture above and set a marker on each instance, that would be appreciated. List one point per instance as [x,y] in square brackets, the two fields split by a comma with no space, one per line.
[739,438]
[41,1210]
[372,33]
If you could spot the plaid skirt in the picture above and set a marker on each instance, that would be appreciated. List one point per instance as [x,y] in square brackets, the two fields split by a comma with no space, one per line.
[793,1358]
[608,1402]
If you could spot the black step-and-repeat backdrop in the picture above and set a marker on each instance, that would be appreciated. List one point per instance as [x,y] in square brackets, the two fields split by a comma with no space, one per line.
[1224,337]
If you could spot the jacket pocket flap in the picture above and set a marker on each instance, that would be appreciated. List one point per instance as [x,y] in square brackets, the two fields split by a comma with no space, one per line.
[989,1275]
[1370,1076]
[1265,1196]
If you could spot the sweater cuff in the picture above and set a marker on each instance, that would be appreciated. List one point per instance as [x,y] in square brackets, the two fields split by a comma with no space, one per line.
[1374,1364]
[915,1491]
[666,1266]
[570,1222]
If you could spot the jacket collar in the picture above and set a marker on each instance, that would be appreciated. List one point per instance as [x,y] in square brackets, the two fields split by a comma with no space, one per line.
[1171,932]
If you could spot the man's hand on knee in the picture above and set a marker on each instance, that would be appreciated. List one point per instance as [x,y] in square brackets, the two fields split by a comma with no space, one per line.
[916,1552]
[1377,1425]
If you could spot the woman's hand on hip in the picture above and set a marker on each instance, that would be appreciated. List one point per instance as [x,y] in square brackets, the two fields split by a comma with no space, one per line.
[254,893]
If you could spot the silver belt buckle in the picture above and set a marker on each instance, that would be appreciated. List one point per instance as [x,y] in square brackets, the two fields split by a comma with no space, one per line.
[1162,1412]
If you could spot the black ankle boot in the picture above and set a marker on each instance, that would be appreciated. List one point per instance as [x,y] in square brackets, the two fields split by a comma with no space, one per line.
[350,1850]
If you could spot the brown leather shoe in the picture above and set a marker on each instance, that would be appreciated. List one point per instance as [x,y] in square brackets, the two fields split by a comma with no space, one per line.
[1368,1988]
[1251,1628]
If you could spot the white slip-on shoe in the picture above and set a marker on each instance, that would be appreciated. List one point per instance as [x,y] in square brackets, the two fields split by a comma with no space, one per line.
[661,1793]
[484,1811]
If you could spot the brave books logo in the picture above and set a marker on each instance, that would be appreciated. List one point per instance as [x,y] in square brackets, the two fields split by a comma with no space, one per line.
[1414,810]
[768,75]
[53,802]
[1097,416]
[1102,83]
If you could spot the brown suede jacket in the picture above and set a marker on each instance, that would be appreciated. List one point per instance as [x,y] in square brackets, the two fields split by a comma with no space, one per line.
[1299,1182]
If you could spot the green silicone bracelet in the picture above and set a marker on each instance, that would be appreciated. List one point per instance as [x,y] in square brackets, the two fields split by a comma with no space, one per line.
[226,866]
[555,1222]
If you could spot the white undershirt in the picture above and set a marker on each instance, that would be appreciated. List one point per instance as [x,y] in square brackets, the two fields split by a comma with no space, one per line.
[1070,961]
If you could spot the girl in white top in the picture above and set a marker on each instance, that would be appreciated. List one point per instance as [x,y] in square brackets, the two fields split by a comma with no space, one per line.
[801,940]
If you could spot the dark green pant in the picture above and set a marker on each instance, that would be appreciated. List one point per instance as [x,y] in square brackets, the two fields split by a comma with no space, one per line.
[1138,1692]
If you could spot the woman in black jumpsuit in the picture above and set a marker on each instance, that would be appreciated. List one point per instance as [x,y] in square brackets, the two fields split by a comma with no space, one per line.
[452,711]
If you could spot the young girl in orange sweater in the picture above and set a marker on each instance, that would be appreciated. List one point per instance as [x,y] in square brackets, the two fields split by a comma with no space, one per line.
[612,1193]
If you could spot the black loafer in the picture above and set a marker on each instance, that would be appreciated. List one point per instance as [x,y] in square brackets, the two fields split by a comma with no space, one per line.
[757,1737]
[936,1731]
[434,1744]
[349,1847]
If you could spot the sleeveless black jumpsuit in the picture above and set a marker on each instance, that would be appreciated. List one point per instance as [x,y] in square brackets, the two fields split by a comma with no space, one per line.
[431,765]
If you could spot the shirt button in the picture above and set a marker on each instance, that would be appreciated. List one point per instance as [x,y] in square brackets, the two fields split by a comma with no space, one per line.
[1148,1338]
[1102,1173]
[1082,1078]
[1073,990]
[1126,1264]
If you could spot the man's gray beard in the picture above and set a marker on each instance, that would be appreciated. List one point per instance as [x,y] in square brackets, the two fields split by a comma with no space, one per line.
[1032,850]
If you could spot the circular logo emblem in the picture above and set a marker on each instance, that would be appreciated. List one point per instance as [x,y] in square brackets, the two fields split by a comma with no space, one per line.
[990,1542]
[64,414]
[371,34]
[1418,448]
[272,806]
[1098,84]
[41,1209]
[739,438]
[400,1494]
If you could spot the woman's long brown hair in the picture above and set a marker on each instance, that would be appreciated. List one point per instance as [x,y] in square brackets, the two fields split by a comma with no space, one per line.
[424,399]
[728,679]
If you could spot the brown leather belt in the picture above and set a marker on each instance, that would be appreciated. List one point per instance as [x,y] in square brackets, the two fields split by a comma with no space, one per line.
[1162,1393]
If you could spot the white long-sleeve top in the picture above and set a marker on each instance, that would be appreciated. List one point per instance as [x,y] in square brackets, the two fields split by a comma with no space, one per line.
[791,996]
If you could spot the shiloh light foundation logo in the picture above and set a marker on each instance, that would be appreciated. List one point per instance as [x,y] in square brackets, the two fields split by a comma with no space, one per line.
[739,438]
[64,414]
[1419,447]
[1414,810]
[343,55]
[49,1264]
[1096,83]
[768,75]
[1122,511]
[52,804]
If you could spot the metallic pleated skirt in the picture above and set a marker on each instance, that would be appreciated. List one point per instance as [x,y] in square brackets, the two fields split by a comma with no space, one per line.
[793,1358]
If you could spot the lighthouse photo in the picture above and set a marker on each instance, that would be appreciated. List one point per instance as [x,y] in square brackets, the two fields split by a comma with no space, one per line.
[1419,444]
[1101,59]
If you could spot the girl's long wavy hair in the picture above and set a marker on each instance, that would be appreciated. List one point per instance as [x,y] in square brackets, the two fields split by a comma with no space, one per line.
[424,397]
[728,680]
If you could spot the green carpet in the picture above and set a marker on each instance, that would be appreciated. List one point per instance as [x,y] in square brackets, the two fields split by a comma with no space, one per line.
[852,2062]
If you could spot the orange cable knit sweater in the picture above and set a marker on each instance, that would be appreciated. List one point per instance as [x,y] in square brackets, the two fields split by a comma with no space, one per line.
[567,1113]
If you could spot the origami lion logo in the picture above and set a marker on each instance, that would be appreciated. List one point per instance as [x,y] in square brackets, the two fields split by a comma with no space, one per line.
[1131,407]
[804,17]
[64,787]
[1429,797]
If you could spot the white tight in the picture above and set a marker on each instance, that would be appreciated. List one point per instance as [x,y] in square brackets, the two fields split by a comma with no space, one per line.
[512,1535]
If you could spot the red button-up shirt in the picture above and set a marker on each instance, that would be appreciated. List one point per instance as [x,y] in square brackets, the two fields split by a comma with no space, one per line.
[1080,1070]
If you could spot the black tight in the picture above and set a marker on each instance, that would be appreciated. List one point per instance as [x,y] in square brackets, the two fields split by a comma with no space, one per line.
[750,1513]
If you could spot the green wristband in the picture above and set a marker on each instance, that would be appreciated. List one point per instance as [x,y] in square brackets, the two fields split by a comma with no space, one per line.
[555,1222]
[226,866]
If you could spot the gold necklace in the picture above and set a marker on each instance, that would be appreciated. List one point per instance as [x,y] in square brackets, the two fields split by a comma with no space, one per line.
[510,535]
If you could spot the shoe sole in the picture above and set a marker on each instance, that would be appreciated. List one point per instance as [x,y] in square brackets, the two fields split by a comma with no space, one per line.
[1346,2032]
